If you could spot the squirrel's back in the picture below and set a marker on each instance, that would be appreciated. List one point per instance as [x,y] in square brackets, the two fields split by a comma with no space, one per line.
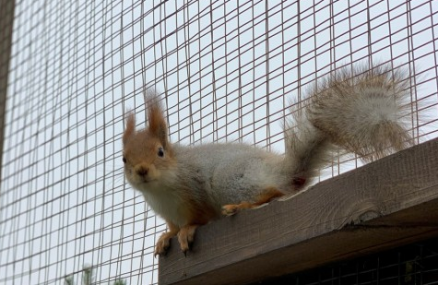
[231,172]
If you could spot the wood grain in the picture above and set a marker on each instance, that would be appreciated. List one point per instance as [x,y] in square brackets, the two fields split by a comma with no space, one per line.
[381,205]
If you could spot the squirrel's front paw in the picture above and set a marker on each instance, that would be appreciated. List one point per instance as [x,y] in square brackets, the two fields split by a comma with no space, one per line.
[163,244]
[186,237]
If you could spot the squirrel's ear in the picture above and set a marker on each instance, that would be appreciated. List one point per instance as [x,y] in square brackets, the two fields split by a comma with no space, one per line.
[130,126]
[157,123]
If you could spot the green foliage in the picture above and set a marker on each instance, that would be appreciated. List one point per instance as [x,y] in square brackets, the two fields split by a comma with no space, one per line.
[88,278]
[87,275]
[68,280]
[119,282]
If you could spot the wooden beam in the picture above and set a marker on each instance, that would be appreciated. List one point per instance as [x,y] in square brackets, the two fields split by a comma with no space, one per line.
[6,27]
[390,202]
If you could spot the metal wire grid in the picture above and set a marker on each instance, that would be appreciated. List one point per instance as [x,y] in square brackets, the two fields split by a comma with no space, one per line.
[413,264]
[75,67]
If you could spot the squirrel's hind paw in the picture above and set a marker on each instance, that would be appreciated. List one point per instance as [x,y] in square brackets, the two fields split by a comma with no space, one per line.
[265,196]
[232,209]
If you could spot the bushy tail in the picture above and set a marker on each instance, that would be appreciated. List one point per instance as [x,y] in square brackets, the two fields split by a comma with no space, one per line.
[360,110]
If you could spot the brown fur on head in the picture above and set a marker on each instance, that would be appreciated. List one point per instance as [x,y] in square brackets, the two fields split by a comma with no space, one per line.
[147,153]
[157,123]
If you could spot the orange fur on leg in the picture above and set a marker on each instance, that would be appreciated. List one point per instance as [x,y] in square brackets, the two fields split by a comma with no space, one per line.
[163,242]
[265,196]
[186,236]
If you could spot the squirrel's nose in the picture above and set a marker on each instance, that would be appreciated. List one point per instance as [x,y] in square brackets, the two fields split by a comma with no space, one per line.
[142,171]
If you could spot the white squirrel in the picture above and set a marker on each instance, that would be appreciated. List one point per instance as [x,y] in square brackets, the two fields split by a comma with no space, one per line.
[359,110]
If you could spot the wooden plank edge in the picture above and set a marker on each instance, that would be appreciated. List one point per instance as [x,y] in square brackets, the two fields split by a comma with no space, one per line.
[381,205]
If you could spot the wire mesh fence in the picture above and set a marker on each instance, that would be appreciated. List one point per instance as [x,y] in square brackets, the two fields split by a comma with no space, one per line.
[227,70]
[413,264]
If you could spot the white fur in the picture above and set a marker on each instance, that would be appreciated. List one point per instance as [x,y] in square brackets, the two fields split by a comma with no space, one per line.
[232,172]
[165,201]
[162,196]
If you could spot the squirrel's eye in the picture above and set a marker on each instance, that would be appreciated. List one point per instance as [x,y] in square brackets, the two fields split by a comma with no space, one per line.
[124,160]
[160,152]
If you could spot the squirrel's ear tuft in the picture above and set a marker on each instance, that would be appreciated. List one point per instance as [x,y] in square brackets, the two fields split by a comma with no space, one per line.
[130,126]
[157,123]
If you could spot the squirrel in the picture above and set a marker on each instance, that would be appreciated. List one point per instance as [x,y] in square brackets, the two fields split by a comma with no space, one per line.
[359,110]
